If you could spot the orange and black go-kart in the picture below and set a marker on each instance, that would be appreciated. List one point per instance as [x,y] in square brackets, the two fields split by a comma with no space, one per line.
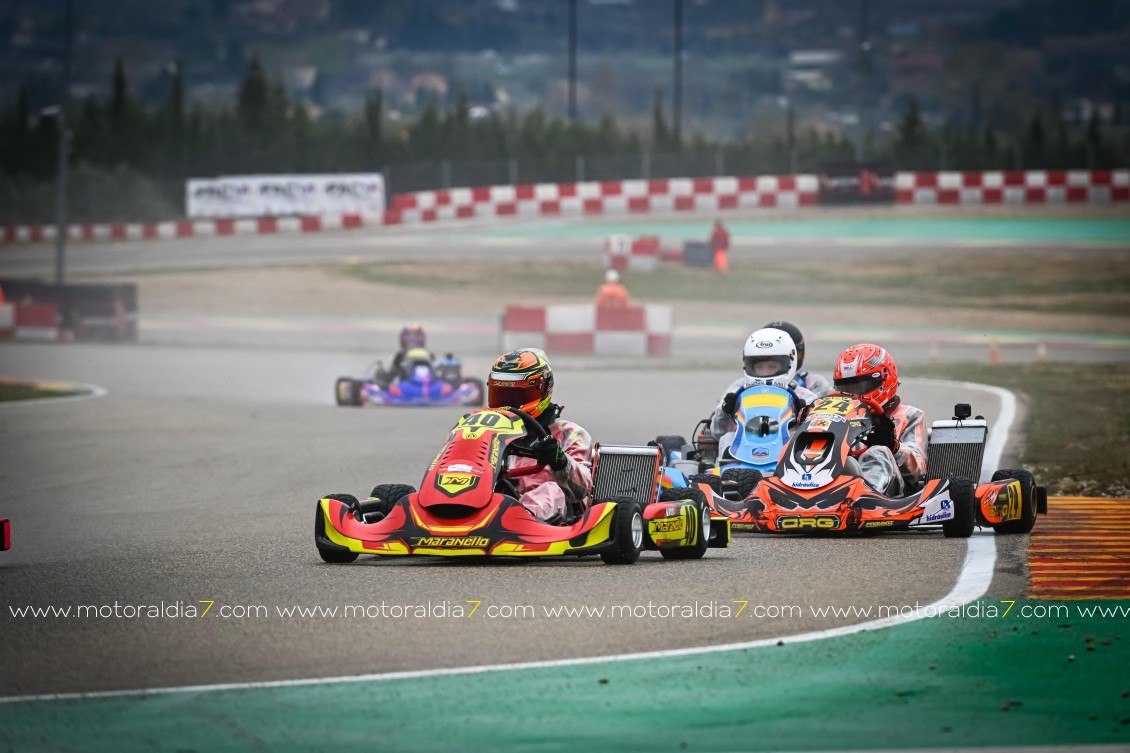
[467,505]
[817,485]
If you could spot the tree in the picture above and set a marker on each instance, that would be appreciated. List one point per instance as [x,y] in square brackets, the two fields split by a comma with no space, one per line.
[660,133]
[254,93]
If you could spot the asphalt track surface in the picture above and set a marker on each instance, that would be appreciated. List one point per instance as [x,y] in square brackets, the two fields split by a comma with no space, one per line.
[195,478]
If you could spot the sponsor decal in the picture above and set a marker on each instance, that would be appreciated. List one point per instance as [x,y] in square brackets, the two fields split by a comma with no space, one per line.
[798,523]
[840,405]
[452,484]
[665,525]
[457,467]
[476,424]
[878,524]
[495,444]
[452,542]
[763,344]
[760,452]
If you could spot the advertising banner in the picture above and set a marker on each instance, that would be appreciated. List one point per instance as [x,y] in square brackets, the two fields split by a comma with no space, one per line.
[285,195]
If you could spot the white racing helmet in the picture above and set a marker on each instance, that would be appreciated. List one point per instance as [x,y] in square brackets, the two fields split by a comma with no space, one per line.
[769,358]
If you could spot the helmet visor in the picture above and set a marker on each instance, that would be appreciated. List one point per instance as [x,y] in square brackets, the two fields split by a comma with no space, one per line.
[764,367]
[859,385]
[512,394]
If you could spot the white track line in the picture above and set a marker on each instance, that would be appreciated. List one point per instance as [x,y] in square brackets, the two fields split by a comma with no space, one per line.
[972,583]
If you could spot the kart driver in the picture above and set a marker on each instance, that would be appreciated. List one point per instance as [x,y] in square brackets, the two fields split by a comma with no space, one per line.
[523,379]
[770,359]
[412,339]
[896,446]
[815,382]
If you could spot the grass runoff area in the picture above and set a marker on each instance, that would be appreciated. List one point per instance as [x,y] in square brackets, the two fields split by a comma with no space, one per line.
[1081,282]
[16,390]
[1078,421]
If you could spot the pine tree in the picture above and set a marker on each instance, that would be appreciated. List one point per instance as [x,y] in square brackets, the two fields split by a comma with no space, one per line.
[660,134]
[254,94]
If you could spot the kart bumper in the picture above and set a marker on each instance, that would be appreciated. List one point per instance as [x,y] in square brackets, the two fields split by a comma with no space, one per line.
[674,525]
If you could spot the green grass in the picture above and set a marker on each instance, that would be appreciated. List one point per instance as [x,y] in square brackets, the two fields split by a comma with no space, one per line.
[1096,282]
[1077,433]
[12,390]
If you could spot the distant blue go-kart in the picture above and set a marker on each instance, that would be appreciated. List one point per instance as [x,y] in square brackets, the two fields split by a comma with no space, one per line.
[764,418]
[418,383]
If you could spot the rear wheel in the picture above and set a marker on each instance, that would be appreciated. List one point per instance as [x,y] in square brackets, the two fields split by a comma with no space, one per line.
[347,391]
[702,520]
[327,550]
[743,480]
[382,499]
[964,518]
[1027,501]
[629,528]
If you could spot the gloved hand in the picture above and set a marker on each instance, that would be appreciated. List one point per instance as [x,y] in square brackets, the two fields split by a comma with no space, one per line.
[548,451]
[883,433]
[730,403]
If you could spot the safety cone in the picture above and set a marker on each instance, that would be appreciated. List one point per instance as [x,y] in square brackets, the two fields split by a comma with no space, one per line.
[934,356]
[1041,352]
[994,353]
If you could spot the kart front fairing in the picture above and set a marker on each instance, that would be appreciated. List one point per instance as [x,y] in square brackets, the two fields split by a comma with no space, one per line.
[764,417]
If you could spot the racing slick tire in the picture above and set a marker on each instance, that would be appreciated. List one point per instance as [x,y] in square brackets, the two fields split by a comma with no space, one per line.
[964,512]
[347,391]
[382,499]
[697,550]
[480,391]
[1027,501]
[630,533]
[746,480]
[332,554]
[714,482]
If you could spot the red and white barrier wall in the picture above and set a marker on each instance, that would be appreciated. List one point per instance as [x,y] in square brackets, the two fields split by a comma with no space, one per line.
[1015,187]
[627,197]
[584,329]
[29,321]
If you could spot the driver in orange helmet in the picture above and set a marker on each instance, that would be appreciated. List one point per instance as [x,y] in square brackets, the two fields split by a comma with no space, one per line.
[896,452]
[523,379]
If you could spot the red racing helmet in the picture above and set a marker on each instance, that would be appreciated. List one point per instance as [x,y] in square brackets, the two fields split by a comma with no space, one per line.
[868,371]
[521,379]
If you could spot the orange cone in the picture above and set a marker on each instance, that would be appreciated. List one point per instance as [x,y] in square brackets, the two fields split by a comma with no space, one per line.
[720,261]
[994,353]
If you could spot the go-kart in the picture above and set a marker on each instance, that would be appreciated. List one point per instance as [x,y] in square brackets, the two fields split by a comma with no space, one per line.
[468,505]
[418,382]
[764,417]
[817,485]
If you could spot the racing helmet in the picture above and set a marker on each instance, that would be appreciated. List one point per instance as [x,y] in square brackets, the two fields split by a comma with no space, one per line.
[612,276]
[521,379]
[412,336]
[868,371]
[769,358]
[794,333]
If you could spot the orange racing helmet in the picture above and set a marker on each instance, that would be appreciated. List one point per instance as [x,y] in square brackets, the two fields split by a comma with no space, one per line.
[868,371]
[521,379]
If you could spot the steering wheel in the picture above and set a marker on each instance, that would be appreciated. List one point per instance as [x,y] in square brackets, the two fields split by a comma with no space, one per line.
[537,432]
[873,408]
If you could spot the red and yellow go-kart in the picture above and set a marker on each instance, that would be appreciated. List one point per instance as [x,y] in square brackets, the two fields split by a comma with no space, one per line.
[817,485]
[467,505]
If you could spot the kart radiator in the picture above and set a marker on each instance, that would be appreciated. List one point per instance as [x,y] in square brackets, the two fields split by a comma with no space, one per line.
[625,471]
[956,449]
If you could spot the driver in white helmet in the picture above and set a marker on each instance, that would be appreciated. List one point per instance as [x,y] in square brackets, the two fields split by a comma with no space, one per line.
[769,358]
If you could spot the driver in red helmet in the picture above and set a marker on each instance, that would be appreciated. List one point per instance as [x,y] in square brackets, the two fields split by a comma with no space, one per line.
[523,379]
[896,451]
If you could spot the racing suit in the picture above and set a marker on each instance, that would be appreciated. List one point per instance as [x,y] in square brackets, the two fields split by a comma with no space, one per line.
[883,470]
[544,493]
[819,385]
[722,424]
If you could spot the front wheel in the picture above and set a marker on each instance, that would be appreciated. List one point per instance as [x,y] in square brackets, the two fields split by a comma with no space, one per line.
[961,525]
[702,517]
[742,480]
[1027,519]
[629,527]
[381,500]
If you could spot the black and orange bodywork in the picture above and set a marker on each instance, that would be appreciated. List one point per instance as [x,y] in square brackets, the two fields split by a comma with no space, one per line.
[460,511]
[816,485]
